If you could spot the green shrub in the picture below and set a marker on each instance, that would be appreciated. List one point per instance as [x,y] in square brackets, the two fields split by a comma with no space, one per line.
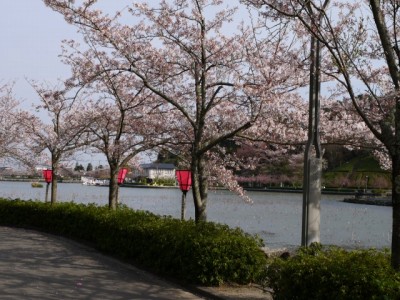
[164,181]
[334,273]
[205,253]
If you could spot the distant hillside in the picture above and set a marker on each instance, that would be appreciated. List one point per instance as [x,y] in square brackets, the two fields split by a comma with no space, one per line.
[360,172]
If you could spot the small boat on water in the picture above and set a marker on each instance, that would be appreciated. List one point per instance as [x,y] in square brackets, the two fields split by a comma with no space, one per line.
[94,181]
[36,184]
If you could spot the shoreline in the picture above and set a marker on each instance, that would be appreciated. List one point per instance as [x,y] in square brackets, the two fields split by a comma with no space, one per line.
[356,199]
[380,201]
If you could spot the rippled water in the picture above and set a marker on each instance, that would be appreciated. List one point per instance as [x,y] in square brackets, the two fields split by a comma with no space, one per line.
[276,217]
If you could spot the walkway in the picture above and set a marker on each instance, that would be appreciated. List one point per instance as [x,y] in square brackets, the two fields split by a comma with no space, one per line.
[35,265]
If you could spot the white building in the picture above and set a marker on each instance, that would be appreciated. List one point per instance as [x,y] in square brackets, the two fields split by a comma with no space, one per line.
[156,170]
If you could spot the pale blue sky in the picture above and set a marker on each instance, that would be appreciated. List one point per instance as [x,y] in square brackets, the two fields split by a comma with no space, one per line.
[31,36]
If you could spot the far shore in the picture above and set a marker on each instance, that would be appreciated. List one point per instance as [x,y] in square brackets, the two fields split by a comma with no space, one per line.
[326,191]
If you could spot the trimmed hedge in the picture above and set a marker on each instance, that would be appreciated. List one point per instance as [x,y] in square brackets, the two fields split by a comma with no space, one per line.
[333,273]
[204,253]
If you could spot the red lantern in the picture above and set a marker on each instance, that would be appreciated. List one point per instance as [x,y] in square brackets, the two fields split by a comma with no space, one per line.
[184,178]
[48,175]
[121,175]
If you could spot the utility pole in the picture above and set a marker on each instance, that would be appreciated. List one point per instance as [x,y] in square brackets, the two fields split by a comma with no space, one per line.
[310,232]
[312,158]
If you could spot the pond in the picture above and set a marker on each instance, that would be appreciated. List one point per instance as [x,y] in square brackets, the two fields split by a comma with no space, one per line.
[275,217]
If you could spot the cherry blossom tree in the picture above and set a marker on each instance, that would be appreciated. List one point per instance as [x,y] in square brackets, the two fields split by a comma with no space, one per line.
[63,134]
[121,127]
[125,118]
[361,44]
[8,107]
[214,84]
[12,136]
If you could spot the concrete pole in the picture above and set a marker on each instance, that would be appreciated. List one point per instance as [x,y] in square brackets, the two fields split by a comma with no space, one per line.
[311,203]
[312,157]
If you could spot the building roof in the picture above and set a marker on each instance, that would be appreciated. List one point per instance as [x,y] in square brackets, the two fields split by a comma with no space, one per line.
[158,166]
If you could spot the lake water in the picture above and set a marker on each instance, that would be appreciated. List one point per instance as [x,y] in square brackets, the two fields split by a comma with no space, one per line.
[276,217]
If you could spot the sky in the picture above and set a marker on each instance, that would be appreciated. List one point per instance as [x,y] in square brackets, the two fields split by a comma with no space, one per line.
[31,36]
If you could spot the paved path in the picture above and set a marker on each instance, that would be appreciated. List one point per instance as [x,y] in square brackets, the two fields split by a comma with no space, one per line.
[35,265]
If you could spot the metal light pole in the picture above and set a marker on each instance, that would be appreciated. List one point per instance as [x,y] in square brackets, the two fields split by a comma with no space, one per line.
[184,178]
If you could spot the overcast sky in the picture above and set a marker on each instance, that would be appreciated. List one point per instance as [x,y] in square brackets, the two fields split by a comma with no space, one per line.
[31,36]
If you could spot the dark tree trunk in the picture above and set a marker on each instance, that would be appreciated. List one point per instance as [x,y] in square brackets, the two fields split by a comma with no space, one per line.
[113,188]
[395,155]
[396,212]
[199,187]
[54,168]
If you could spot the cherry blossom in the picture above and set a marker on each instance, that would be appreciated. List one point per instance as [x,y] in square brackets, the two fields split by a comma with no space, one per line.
[361,55]
[62,134]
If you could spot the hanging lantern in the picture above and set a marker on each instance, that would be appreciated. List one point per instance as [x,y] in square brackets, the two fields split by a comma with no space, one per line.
[184,178]
[48,175]
[121,175]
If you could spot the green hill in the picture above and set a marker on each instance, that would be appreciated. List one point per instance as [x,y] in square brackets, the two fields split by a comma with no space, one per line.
[360,172]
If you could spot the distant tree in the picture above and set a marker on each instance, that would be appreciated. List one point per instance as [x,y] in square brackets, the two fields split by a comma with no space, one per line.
[89,167]
[79,167]
[164,156]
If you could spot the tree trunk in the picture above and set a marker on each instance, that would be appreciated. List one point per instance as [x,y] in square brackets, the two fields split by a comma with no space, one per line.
[396,213]
[113,188]
[199,188]
[393,146]
[54,169]
[396,190]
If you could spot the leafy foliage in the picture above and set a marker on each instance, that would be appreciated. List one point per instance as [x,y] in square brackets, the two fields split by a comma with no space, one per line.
[334,273]
[204,253]
[164,181]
